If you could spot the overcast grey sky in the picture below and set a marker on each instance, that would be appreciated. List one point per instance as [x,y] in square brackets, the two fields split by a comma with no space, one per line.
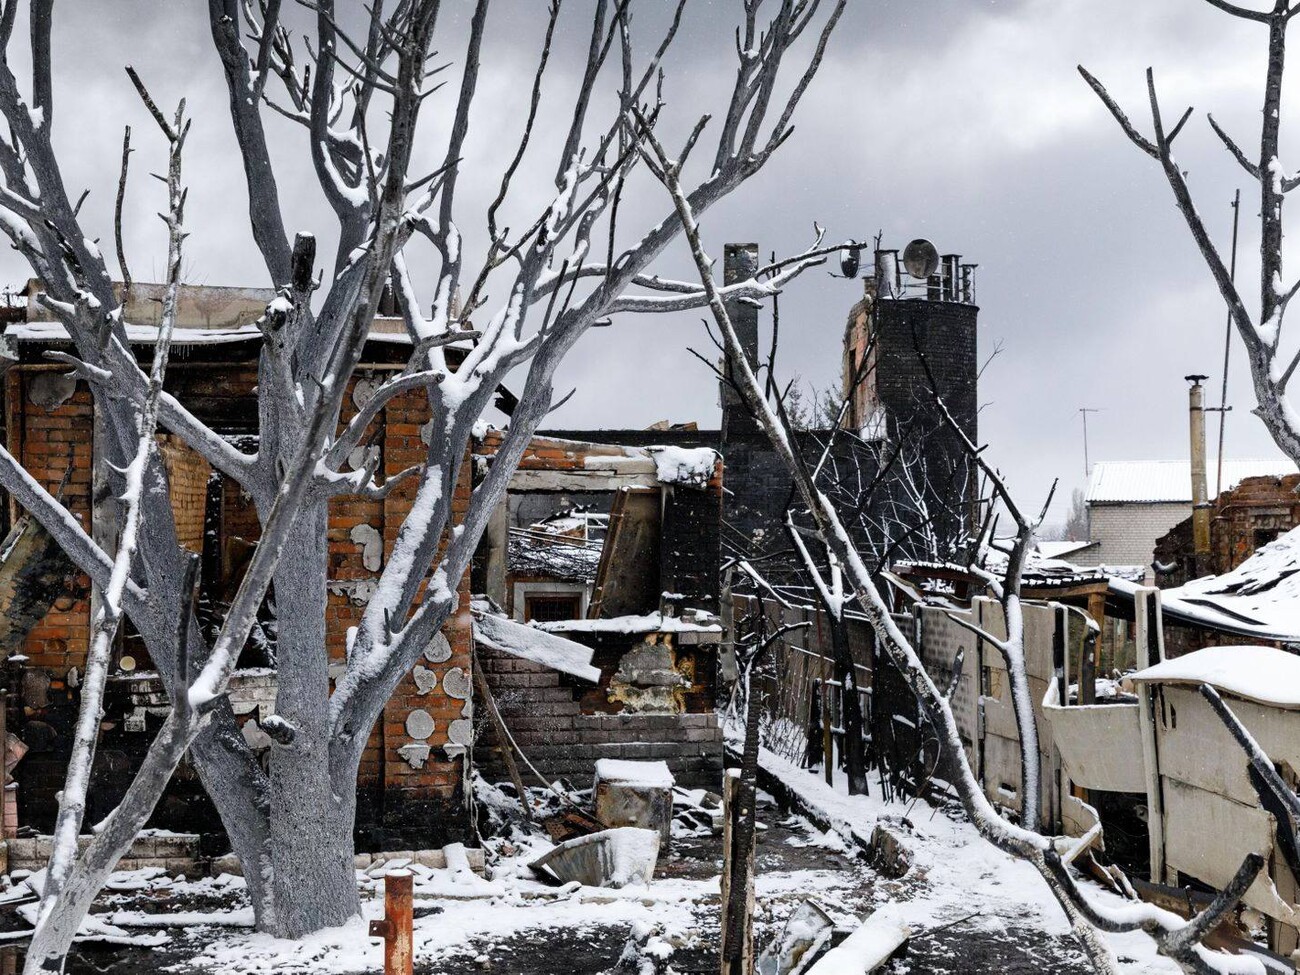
[963,121]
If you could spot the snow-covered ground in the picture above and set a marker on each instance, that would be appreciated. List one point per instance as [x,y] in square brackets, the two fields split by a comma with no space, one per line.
[970,907]
[956,874]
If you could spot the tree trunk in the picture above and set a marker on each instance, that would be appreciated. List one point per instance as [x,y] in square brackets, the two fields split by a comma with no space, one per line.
[314,883]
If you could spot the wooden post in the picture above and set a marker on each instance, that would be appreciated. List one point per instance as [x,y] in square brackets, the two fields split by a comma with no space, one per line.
[742,962]
[395,928]
[1097,610]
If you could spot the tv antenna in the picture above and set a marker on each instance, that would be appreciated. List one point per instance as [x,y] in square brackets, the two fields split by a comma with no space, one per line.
[1084,411]
[1227,345]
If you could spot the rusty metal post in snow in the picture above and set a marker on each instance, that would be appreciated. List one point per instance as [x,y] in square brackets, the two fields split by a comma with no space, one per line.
[395,928]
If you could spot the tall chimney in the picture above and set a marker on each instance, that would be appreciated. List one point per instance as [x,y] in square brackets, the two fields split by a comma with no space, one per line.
[1200,503]
[739,263]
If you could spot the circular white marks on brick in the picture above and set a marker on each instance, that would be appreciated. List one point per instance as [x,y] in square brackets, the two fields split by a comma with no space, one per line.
[419,725]
[456,683]
[438,651]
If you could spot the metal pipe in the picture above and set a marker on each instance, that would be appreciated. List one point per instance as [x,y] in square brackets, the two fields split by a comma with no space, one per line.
[887,281]
[395,927]
[1200,502]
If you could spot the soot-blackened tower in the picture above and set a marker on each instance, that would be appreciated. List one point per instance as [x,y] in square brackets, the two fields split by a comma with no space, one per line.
[909,341]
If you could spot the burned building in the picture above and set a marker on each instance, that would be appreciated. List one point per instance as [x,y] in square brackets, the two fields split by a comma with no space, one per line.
[412,785]
[620,553]
[407,787]
[903,332]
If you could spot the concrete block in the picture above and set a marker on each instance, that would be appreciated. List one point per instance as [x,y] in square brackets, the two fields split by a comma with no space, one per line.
[629,793]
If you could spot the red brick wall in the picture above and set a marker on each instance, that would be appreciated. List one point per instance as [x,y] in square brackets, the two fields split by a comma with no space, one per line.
[47,441]
[52,444]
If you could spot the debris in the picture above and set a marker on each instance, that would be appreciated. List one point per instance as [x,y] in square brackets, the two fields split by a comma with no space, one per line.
[631,793]
[807,931]
[866,949]
[611,858]
[891,853]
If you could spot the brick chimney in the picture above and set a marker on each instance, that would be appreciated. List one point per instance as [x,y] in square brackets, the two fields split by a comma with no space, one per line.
[740,261]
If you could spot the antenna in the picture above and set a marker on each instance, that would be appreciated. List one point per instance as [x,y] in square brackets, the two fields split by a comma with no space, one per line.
[921,258]
[1084,411]
[1227,345]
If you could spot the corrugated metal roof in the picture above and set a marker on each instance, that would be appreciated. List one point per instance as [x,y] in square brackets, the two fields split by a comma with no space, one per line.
[1170,481]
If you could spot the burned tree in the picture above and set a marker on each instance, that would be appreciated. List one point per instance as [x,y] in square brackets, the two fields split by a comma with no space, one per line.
[533,291]
[1260,329]
[1177,939]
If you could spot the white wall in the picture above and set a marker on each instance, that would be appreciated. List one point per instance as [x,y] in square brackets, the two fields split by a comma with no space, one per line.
[1126,533]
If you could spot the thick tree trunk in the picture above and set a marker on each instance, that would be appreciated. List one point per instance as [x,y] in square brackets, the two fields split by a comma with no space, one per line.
[314,883]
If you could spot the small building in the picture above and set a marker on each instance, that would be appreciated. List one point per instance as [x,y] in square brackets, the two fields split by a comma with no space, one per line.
[1243,520]
[1131,504]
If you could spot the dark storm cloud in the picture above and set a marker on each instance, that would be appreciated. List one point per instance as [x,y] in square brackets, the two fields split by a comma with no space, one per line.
[964,122]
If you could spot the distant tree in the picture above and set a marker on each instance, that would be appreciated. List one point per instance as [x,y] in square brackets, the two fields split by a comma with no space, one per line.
[1076,522]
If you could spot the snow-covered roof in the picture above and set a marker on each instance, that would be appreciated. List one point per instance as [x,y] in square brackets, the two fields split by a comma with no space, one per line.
[1262,674]
[1038,571]
[148,334]
[1260,597]
[1060,549]
[650,623]
[533,644]
[1169,481]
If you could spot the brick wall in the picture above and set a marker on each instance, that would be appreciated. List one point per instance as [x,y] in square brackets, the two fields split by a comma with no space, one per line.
[563,736]
[1126,533]
[405,797]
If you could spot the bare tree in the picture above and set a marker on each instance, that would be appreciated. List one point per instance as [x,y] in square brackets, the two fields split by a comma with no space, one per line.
[1177,939]
[1271,366]
[566,270]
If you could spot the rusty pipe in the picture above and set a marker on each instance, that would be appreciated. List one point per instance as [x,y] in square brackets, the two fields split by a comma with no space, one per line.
[395,926]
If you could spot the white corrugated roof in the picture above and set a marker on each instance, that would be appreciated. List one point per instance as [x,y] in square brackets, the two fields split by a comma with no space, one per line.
[1115,481]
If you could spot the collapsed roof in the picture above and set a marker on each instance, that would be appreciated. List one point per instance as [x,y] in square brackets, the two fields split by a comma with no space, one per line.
[1260,597]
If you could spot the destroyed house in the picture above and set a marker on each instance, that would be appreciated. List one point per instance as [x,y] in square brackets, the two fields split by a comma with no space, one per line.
[411,785]
[891,455]
[616,548]
[49,427]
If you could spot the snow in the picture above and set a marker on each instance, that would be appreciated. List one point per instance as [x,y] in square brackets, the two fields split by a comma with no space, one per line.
[650,623]
[869,946]
[623,771]
[533,643]
[1262,674]
[1161,481]
[1260,597]
[46,332]
[693,466]
[962,872]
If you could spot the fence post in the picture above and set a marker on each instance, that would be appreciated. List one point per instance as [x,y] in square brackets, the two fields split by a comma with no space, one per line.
[395,928]
[739,959]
